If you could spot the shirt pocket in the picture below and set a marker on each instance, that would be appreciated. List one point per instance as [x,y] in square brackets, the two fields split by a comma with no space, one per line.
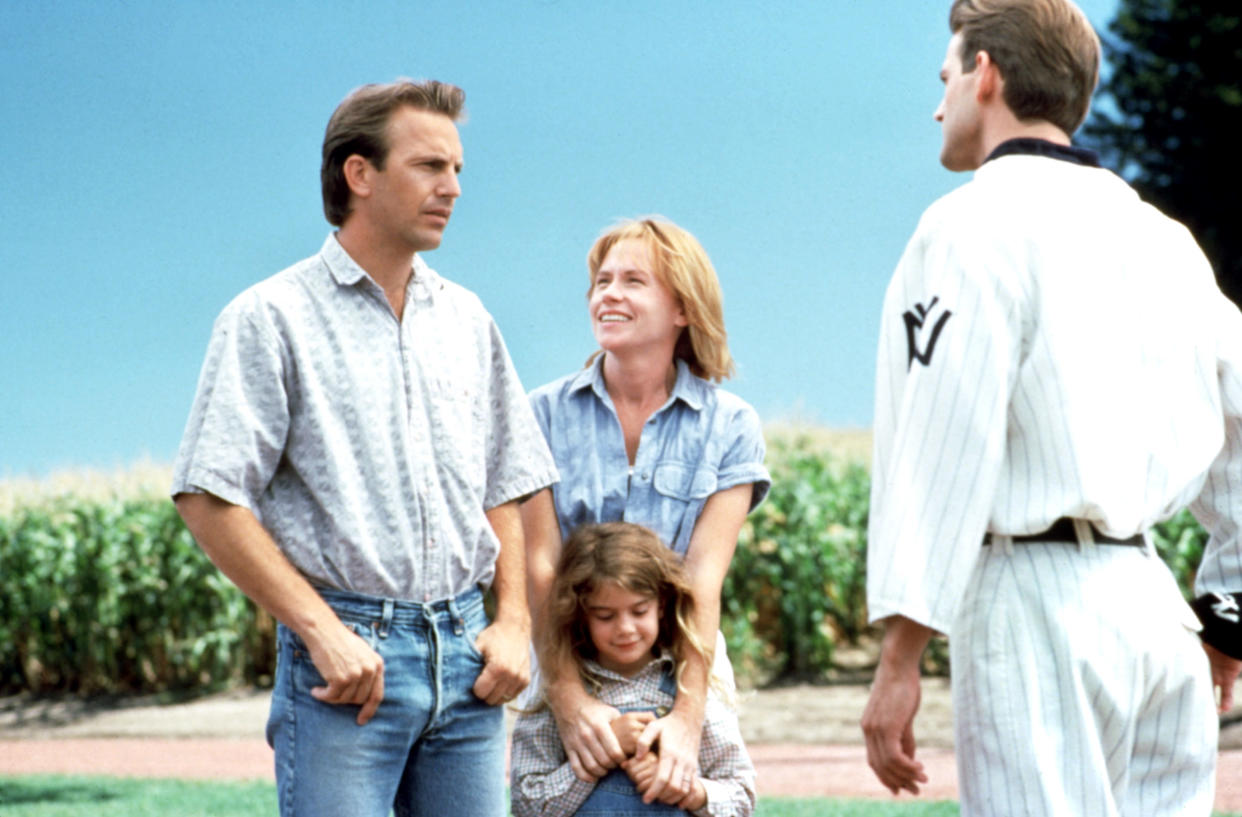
[677,480]
[680,490]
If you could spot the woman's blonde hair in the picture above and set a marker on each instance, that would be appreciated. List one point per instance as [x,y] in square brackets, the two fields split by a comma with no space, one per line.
[635,559]
[681,264]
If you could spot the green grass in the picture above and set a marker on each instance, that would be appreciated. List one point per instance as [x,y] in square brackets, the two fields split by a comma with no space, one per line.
[64,796]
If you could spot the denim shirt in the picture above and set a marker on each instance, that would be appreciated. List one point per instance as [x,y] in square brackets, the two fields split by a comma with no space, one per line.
[702,440]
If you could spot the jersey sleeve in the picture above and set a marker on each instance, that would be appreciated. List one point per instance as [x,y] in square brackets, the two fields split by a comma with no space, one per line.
[947,362]
[1218,582]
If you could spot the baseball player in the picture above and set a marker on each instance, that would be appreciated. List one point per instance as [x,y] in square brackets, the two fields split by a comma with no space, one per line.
[1057,372]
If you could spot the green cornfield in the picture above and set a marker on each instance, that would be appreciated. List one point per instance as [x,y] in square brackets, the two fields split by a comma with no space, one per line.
[102,589]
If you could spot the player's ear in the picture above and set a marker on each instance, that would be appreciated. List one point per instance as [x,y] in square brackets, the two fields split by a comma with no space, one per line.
[988,82]
[357,172]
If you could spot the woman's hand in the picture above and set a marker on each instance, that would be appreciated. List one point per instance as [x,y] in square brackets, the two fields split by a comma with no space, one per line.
[679,756]
[586,732]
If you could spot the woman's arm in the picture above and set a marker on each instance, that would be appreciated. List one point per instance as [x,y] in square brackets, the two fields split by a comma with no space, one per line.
[584,723]
[707,561]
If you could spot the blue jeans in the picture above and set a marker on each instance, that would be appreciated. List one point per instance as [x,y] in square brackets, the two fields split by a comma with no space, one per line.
[432,748]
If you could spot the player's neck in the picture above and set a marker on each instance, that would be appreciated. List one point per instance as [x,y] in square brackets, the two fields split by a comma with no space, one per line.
[1003,126]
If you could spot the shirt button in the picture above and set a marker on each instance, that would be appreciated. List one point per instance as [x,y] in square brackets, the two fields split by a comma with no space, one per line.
[646,476]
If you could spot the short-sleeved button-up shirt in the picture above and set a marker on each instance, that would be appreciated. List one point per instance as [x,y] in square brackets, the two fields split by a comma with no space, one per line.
[702,440]
[368,447]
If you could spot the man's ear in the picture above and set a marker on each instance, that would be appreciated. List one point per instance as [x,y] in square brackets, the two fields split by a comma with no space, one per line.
[988,77]
[357,171]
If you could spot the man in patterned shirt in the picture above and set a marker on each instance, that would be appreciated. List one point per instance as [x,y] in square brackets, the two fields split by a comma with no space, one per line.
[1057,372]
[353,462]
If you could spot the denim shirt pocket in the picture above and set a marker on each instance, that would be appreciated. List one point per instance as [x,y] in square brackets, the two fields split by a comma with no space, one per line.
[682,489]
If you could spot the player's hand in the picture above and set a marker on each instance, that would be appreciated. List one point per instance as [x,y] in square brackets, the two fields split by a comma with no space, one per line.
[888,725]
[679,757]
[505,647]
[353,673]
[586,732]
[629,727]
[1224,673]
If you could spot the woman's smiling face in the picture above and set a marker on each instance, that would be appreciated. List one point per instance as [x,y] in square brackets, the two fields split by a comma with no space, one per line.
[630,307]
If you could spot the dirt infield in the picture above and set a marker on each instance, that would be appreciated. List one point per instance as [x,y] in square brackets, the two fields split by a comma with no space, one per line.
[804,740]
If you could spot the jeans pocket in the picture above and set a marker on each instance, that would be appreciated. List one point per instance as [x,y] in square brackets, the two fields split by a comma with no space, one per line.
[471,625]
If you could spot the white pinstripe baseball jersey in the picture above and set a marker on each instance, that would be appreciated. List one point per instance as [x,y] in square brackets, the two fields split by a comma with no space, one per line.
[1050,347]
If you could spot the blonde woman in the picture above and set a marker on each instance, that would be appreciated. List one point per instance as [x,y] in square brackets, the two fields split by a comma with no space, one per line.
[642,434]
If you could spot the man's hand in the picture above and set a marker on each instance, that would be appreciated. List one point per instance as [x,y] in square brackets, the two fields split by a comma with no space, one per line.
[1224,673]
[679,757]
[353,673]
[629,727]
[586,732]
[643,772]
[505,647]
[888,720]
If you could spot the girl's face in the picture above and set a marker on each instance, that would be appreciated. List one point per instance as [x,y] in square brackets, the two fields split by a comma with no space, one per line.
[624,627]
[631,309]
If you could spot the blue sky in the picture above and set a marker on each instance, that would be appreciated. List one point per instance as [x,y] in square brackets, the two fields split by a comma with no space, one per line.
[162,156]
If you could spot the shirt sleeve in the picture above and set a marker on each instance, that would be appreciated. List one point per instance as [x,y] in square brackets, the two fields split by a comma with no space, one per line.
[743,459]
[725,765]
[518,460]
[239,421]
[948,358]
[1217,506]
[542,783]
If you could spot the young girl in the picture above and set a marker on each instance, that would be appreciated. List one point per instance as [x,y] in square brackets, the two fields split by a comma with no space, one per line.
[620,608]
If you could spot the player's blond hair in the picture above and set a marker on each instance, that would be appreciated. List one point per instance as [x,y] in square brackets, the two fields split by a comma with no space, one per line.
[1046,51]
[682,265]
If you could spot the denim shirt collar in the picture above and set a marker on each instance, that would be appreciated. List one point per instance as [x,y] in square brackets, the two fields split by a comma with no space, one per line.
[689,389]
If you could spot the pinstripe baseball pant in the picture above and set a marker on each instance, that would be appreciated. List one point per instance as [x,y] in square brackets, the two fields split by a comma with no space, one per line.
[1079,688]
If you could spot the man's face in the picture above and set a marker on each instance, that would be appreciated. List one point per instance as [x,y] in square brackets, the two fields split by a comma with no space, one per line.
[412,198]
[958,113]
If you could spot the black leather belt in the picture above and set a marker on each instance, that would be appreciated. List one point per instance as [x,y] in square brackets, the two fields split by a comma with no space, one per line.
[1062,530]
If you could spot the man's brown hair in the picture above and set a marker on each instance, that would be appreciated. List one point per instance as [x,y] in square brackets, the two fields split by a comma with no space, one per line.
[1046,51]
[359,125]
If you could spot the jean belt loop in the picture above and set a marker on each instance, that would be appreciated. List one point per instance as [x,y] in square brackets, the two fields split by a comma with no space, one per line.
[386,617]
[454,611]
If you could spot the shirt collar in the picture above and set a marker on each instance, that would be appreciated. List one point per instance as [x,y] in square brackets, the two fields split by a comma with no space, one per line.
[1027,146]
[689,389]
[424,283]
[656,664]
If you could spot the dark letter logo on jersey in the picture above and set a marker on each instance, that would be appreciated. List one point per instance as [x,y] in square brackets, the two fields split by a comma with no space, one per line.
[915,321]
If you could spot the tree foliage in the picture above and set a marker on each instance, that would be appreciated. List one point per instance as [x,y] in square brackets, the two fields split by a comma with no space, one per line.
[1170,117]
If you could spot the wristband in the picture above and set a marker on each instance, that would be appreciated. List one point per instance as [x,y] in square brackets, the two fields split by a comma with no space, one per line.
[1221,616]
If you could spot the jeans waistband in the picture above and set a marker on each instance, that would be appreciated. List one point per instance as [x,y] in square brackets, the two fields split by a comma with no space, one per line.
[397,611]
